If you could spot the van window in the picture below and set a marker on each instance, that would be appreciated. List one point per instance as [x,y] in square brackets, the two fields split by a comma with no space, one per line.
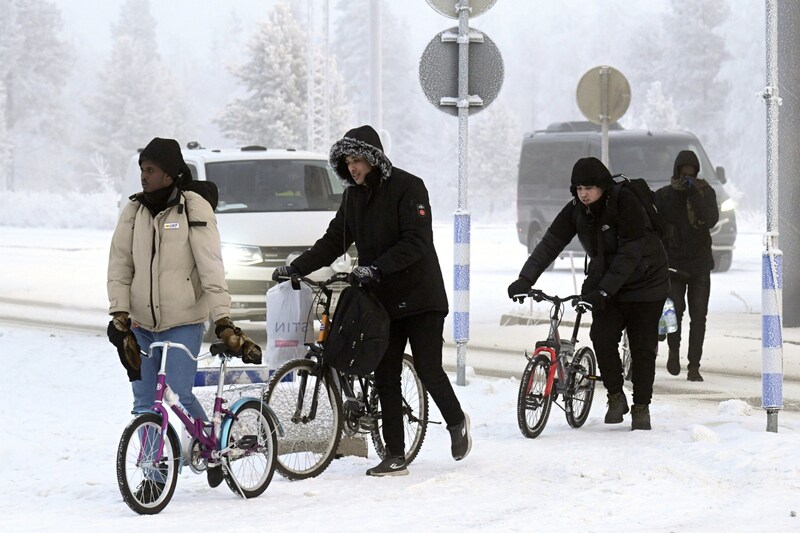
[255,186]
[548,164]
[653,158]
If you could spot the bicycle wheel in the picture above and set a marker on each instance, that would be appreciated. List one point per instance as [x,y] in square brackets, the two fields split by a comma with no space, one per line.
[580,391]
[310,440]
[533,406]
[626,357]
[251,462]
[415,412]
[146,485]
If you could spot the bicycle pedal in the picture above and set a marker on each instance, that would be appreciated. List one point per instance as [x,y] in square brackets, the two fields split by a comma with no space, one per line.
[248,442]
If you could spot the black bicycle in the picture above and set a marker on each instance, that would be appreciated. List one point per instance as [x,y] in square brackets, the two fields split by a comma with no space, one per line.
[556,368]
[316,403]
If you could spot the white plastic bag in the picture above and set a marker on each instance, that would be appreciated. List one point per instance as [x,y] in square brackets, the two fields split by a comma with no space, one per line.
[289,323]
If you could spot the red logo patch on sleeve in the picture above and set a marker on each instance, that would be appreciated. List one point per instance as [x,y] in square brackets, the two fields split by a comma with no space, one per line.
[421,211]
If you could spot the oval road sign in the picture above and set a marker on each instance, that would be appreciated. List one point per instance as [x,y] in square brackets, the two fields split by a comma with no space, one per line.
[589,94]
[438,72]
[448,7]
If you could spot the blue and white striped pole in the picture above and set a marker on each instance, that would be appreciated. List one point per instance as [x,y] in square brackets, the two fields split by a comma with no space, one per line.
[772,257]
[771,337]
[461,219]
[461,236]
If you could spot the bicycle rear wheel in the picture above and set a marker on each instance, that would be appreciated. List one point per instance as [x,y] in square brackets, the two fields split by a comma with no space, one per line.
[533,405]
[310,439]
[147,485]
[580,391]
[251,462]
[415,412]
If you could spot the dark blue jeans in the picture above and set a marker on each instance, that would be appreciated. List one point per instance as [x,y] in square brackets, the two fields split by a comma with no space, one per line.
[424,333]
[694,291]
[641,321]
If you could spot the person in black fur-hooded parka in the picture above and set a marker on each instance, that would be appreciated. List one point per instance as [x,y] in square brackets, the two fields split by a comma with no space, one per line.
[386,212]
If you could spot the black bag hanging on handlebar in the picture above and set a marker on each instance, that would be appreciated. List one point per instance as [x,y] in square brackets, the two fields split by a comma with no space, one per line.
[359,332]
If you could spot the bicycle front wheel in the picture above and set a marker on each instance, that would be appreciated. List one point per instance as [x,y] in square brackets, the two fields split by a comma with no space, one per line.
[533,405]
[308,406]
[580,393]
[145,482]
[415,412]
[250,463]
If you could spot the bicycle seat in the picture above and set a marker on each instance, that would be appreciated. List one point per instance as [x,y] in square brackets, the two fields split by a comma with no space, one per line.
[548,344]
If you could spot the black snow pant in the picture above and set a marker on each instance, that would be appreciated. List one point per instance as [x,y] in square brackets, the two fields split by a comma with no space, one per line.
[424,333]
[695,291]
[641,321]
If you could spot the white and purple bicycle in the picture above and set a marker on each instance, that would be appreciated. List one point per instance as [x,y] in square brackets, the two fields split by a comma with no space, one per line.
[242,440]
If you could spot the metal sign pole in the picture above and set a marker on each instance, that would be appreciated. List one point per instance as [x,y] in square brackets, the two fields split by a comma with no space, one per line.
[772,256]
[604,115]
[461,222]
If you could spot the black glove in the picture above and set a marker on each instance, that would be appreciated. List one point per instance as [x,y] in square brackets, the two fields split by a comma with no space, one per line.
[282,273]
[597,299]
[520,286]
[237,341]
[363,275]
[120,335]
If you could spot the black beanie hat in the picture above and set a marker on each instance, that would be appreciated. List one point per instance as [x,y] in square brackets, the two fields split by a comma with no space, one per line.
[166,153]
[590,171]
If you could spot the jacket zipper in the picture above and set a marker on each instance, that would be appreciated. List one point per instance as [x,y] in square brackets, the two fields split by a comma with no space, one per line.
[152,258]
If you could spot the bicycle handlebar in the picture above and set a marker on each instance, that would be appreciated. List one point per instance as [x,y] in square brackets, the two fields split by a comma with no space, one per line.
[218,347]
[539,296]
[337,277]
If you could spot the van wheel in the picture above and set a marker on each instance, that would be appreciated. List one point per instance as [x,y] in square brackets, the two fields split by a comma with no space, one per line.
[535,235]
[723,261]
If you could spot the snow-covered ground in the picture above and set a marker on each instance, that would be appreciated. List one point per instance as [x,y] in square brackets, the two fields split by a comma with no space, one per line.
[706,465]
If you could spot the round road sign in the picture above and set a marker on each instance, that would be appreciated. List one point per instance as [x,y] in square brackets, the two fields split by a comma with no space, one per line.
[448,7]
[590,94]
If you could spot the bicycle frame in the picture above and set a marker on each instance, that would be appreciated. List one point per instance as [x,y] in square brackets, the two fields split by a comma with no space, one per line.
[557,350]
[194,427]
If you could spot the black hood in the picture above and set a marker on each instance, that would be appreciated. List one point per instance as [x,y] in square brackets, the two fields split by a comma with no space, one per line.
[590,171]
[685,157]
[362,141]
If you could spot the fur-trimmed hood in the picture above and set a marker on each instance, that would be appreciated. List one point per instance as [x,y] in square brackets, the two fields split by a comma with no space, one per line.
[362,141]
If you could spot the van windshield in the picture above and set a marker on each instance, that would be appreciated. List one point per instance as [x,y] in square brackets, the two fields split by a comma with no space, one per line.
[652,157]
[256,186]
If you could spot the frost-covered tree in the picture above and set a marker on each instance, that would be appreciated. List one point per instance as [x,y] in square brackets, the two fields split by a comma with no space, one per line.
[34,62]
[138,98]
[495,136]
[274,111]
[659,109]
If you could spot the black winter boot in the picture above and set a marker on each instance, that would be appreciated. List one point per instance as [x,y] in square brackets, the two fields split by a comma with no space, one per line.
[617,407]
[640,416]
[674,362]
[694,373]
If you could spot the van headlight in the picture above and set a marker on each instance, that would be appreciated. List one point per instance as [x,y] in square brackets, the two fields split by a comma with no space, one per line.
[240,254]
[727,205]
[343,263]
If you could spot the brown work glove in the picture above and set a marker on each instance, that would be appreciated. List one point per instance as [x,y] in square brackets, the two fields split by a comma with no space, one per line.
[237,341]
[120,335]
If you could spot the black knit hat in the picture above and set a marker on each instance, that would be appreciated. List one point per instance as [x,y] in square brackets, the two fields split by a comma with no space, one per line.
[166,153]
[592,172]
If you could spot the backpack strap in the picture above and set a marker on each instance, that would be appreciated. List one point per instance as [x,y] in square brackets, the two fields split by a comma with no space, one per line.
[192,223]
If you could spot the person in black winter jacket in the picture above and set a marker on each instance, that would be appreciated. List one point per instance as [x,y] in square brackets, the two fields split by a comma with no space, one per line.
[627,280]
[689,208]
[386,212]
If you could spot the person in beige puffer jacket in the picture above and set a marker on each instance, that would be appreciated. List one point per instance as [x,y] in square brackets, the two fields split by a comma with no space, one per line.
[166,275]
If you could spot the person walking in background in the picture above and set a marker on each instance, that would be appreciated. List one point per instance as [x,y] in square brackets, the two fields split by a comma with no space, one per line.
[386,212]
[626,281]
[165,275]
[688,205]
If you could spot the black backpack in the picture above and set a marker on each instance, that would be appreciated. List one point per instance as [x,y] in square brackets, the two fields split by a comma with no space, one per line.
[359,332]
[646,196]
[206,189]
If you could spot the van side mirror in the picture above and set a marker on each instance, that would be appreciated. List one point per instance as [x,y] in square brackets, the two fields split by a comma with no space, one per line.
[721,174]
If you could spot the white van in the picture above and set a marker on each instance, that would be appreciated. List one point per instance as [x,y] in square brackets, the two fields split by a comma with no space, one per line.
[273,205]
